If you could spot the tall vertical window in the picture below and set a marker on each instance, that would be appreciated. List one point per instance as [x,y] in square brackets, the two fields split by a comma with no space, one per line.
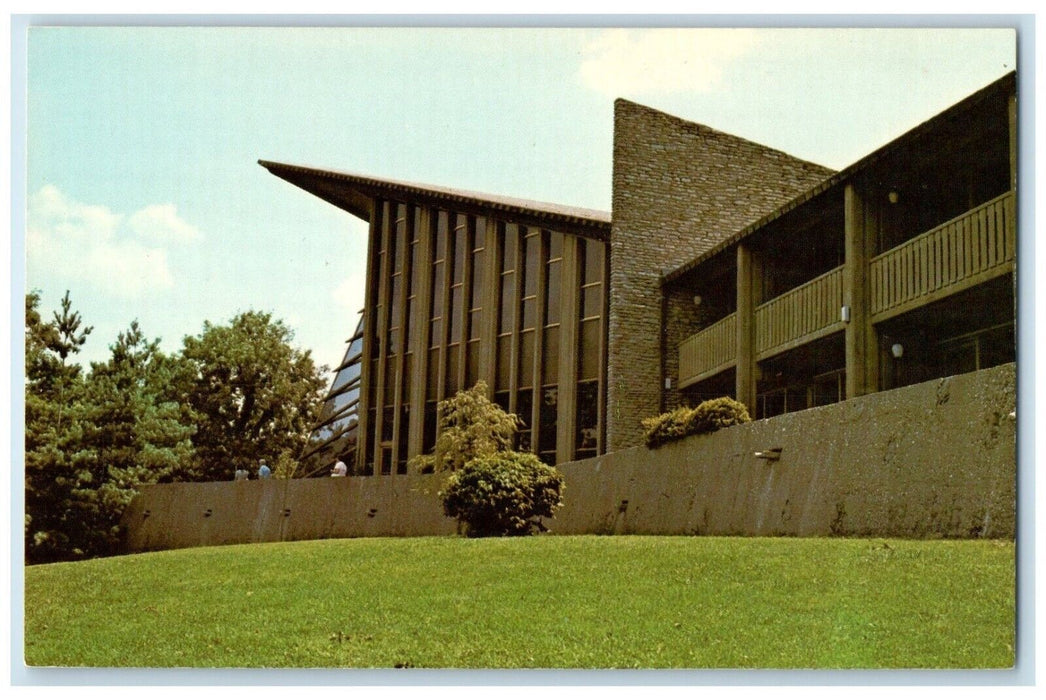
[591,263]
[529,273]
[440,236]
[507,306]
[478,236]
[550,350]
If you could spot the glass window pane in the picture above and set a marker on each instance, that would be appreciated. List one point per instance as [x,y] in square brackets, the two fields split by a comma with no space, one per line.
[437,290]
[397,289]
[415,270]
[432,370]
[524,404]
[548,415]
[390,382]
[501,398]
[587,415]
[408,332]
[526,358]
[372,391]
[435,332]
[408,368]
[429,437]
[508,299]
[508,247]
[461,247]
[530,314]
[504,369]
[555,245]
[589,350]
[592,301]
[453,362]
[472,363]
[530,276]
[442,226]
[455,314]
[401,448]
[550,366]
[552,298]
[477,279]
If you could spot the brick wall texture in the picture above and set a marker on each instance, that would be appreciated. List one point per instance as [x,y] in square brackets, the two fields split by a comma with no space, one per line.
[678,189]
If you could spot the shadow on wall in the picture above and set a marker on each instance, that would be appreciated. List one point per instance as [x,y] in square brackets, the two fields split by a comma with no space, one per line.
[936,459]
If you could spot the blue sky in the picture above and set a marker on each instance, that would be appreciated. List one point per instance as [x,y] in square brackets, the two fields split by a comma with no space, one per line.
[145,200]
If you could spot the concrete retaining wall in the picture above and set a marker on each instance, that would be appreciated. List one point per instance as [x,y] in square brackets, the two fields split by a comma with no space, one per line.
[931,460]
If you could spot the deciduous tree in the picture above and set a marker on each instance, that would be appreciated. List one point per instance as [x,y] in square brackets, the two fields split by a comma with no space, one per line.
[253,394]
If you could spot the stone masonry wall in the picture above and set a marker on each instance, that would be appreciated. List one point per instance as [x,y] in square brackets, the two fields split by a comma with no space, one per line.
[678,189]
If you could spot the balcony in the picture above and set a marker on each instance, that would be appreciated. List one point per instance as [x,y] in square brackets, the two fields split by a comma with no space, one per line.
[799,316]
[708,352]
[966,251]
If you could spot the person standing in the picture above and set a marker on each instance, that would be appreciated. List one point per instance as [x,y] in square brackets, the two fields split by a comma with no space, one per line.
[339,469]
[241,474]
[263,470]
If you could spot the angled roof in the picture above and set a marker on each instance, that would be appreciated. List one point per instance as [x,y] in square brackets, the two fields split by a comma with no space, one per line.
[1005,84]
[353,192]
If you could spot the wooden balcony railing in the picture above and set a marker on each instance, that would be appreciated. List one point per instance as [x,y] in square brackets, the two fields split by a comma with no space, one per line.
[709,351]
[800,315]
[961,253]
[965,251]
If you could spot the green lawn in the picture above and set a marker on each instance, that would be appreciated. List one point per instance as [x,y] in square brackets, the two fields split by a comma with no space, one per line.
[539,602]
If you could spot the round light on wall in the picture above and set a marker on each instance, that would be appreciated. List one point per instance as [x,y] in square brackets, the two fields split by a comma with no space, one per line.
[697,300]
[897,350]
[893,197]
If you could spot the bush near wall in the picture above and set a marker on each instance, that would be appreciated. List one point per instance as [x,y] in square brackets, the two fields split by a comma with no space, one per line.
[503,495]
[707,417]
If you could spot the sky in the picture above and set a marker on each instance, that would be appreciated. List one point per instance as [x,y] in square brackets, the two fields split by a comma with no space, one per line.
[145,201]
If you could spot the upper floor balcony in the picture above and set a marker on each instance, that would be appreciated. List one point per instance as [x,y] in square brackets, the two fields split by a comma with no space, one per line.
[956,255]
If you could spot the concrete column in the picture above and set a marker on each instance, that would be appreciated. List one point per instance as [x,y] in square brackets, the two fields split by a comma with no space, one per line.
[746,366]
[420,342]
[862,347]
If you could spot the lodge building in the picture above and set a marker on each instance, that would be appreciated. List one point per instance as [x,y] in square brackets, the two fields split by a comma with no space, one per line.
[726,268]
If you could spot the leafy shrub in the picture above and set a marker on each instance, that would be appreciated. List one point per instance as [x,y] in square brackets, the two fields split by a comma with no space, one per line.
[722,413]
[470,426]
[503,494]
[707,417]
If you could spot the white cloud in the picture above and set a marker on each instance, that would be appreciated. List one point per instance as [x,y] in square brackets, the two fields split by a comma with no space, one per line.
[161,223]
[649,61]
[114,253]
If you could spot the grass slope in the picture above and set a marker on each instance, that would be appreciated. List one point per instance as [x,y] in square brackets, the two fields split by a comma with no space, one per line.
[540,602]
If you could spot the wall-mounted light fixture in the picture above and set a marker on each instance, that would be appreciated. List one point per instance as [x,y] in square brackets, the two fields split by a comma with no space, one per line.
[668,382]
[893,197]
[897,350]
[697,300]
[844,314]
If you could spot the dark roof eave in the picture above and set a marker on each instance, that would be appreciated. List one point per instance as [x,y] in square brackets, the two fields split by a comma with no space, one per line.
[840,177]
[575,217]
